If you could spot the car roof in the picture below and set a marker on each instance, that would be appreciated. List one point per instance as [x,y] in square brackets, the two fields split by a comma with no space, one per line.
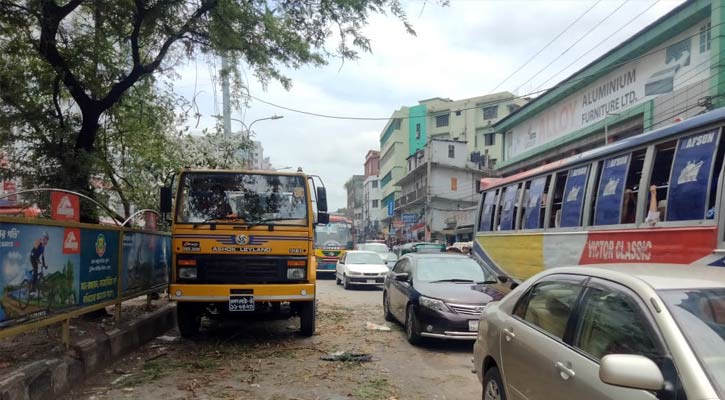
[361,252]
[436,255]
[658,276]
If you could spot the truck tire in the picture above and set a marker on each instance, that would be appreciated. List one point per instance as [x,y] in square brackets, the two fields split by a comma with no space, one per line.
[307,318]
[188,317]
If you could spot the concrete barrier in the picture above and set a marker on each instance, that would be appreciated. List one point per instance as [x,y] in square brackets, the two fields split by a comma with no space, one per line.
[47,379]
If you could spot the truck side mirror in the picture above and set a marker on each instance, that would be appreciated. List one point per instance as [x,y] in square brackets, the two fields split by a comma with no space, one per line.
[321,199]
[165,203]
[323,218]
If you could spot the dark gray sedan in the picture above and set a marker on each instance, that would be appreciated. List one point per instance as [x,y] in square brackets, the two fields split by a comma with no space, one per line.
[438,295]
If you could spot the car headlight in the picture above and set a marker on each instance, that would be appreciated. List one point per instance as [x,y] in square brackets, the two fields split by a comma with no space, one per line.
[433,304]
[353,273]
[295,273]
[187,272]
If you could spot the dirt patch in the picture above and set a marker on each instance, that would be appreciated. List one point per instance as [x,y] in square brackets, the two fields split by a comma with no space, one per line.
[46,342]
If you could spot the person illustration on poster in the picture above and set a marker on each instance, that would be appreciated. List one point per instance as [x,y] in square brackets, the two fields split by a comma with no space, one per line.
[37,254]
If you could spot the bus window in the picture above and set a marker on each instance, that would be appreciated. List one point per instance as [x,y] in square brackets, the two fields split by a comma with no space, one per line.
[690,176]
[710,214]
[534,206]
[508,202]
[631,187]
[611,188]
[487,212]
[555,219]
[595,193]
[496,211]
[571,208]
[664,155]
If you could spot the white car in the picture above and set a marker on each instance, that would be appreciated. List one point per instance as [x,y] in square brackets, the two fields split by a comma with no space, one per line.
[359,267]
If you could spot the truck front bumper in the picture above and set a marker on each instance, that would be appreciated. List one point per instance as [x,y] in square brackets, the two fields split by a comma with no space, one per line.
[220,293]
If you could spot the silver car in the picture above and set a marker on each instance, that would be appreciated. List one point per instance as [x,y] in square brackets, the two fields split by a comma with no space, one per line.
[634,331]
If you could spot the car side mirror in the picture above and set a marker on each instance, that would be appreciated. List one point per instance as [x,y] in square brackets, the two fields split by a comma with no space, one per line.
[631,371]
[321,200]
[165,203]
[323,218]
[402,277]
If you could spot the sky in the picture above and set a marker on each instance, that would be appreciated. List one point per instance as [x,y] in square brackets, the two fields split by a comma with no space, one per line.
[465,49]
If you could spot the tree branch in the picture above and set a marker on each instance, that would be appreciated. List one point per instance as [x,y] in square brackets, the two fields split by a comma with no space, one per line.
[137,21]
[56,103]
[139,70]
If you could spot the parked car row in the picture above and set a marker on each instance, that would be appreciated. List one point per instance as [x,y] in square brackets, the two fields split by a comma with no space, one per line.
[632,331]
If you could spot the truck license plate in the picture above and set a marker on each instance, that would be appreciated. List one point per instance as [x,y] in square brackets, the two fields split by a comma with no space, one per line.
[473,325]
[241,302]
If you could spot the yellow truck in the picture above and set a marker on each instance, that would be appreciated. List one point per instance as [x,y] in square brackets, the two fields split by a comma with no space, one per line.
[242,240]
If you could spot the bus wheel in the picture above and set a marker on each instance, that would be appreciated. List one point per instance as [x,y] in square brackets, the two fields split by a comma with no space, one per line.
[188,317]
[307,318]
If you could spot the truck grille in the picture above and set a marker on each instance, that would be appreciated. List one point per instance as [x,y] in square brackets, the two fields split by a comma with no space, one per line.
[224,269]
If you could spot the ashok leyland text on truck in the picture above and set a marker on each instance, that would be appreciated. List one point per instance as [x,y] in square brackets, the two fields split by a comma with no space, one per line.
[331,242]
[243,240]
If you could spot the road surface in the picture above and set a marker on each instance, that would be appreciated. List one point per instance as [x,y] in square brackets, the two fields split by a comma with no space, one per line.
[266,359]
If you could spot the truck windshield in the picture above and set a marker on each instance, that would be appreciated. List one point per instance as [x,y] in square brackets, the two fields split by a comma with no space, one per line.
[247,198]
[333,236]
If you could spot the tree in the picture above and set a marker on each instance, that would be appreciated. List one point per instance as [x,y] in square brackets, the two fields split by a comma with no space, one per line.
[66,66]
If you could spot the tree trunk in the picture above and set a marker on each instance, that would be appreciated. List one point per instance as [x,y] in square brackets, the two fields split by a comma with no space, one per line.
[79,163]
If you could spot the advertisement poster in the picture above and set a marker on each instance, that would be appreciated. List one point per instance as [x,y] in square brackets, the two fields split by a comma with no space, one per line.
[39,269]
[146,261]
[611,189]
[571,209]
[507,215]
[64,207]
[533,204]
[690,177]
[99,266]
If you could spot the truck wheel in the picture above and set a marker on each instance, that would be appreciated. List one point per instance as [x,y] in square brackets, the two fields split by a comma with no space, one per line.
[188,317]
[307,318]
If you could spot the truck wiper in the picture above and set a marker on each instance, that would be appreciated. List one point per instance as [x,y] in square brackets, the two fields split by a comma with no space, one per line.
[211,220]
[252,224]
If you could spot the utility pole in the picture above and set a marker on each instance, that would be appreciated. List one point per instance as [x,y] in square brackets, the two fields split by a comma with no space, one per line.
[226,102]
[427,229]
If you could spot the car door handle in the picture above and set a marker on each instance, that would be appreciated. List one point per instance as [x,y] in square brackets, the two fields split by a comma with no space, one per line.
[564,372]
[509,333]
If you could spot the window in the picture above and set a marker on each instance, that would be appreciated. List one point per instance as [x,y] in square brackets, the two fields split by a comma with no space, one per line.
[612,322]
[609,195]
[451,151]
[508,213]
[549,305]
[490,112]
[458,113]
[375,184]
[489,139]
[403,266]
[487,209]
[534,207]
[705,38]
[555,218]
[375,203]
[442,120]
[417,131]
[454,184]
[631,187]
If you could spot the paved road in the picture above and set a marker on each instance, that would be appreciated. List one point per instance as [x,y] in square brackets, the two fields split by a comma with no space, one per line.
[266,359]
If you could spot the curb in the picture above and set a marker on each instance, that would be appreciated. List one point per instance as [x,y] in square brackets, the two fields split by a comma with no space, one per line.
[47,379]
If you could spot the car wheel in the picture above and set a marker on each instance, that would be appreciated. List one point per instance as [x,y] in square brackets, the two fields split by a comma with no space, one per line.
[493,386]
[346,283]
[337,279]
[386,308]
[412,332]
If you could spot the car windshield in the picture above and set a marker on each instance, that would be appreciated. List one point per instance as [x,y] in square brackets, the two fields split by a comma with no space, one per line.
[376,247]
[334,236]
[700,314]
[236,197]
[436,269]
[363,258]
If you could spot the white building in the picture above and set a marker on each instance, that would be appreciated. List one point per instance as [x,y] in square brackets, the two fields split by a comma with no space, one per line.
[439,192]
[257,160]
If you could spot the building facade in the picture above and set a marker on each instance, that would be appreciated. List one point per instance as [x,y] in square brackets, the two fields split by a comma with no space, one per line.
[669,71]
[257,160]
[469,121]
[439,193]
[372,213]
[354,188]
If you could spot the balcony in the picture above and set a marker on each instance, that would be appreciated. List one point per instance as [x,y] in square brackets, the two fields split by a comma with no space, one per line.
[410,198]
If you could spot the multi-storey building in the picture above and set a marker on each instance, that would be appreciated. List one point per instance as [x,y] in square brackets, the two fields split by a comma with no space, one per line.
[372,214]
[354,188]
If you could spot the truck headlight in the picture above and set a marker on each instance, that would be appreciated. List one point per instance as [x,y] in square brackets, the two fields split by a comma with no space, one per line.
[433,304]
[187,272]
[295,273]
